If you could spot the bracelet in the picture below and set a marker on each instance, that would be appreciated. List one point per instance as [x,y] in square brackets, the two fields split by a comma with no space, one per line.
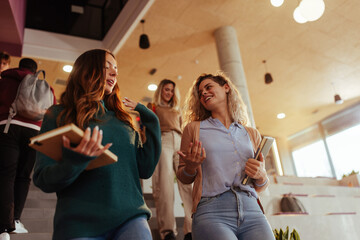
[263,184]
[189,175]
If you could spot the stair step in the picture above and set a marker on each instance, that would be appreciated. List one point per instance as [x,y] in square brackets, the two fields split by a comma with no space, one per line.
[38,213]
[31,236]
[35,194]
[38,225]
[40,203]
[149,199]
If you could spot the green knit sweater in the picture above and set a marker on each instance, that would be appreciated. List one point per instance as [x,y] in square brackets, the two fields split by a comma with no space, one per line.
[90,203]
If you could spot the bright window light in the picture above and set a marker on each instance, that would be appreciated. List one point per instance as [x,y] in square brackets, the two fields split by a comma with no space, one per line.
[312,161]
[67,68]
[343,148]
[152,87]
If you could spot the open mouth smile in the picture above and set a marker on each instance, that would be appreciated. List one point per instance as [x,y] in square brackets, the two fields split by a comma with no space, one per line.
[110,82]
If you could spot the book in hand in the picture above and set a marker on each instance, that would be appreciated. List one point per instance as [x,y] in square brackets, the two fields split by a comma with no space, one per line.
[50,143]
[263,148]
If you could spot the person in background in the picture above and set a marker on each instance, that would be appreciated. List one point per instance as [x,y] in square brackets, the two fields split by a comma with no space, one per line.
[4,61]
[16,157]
[217,150]
[105,202]
[166,105]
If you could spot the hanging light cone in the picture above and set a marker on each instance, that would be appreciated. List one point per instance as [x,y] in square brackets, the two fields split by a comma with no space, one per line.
[144,42]
[338,99]
[268,78]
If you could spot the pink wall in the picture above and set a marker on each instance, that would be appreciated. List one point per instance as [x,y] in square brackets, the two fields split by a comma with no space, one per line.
[12,19]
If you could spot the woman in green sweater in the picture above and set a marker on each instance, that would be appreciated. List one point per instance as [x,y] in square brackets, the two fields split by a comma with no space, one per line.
[106,202]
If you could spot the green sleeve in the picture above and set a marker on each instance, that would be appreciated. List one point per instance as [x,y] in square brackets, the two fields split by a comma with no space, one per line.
[53,176]
[149,153]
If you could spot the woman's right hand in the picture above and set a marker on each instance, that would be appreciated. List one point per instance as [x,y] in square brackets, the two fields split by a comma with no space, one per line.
[194,157]
[89,145]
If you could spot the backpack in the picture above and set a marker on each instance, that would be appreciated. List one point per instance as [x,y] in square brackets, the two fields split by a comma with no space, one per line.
[33,98]
[289,203]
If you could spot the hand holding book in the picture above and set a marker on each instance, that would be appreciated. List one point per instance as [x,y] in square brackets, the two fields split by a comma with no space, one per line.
[263,150]
[50,143]
[90,145]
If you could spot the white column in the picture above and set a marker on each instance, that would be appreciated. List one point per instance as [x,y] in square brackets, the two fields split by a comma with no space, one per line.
[231,63]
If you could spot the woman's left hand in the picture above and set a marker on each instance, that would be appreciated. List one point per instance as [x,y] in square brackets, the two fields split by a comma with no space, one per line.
[129,103]
[255,169]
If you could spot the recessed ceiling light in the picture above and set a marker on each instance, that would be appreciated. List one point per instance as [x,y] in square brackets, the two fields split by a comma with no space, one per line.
[152,87]
[67,68]
[281,115]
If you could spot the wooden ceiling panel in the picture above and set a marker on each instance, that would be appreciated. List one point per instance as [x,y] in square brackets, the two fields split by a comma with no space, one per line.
[303,58]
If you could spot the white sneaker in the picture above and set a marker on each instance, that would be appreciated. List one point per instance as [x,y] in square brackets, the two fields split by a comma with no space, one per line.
[4,236]
[19,227]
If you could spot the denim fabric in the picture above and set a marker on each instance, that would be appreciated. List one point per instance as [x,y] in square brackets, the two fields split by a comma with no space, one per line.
[135,229]
[232,215]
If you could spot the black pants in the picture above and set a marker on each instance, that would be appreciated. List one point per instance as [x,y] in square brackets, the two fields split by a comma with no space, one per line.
[16,163]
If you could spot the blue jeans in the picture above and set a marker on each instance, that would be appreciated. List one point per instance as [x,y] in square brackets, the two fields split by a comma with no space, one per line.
[135,229]
[232,215]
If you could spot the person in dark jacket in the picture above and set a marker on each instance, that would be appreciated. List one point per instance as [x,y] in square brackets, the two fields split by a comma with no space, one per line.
[16,157]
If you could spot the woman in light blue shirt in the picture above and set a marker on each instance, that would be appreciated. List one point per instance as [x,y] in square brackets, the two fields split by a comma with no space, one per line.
[223,208]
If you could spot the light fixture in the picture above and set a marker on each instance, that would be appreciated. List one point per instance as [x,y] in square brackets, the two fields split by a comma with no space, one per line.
[152,87]
[281,115]
[306,11]
[337,97]
[152,71]
[276,3]
[312,10]
[67,68]
[298,17]
[144,42]
[268,77]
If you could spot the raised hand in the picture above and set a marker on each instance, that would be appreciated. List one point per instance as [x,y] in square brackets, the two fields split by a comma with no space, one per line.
[89,145]
[129,103]
[193,157]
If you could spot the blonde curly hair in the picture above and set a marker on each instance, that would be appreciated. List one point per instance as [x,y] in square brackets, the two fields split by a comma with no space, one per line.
[194,111]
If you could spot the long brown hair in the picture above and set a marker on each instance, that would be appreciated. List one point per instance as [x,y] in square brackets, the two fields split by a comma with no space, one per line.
[195,111]
[85,88]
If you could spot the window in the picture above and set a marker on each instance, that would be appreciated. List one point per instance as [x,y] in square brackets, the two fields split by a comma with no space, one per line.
[312,161]
[344,147]
[329,148]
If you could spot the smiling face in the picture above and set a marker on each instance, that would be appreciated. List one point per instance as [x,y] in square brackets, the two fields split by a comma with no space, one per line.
[110,73]
[212,95]
[167,92]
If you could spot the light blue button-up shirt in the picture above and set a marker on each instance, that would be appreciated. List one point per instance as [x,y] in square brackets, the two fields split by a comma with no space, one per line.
[227,151]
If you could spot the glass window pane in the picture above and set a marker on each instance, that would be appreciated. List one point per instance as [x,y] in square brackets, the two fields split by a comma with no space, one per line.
[344,147]
[312,161]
